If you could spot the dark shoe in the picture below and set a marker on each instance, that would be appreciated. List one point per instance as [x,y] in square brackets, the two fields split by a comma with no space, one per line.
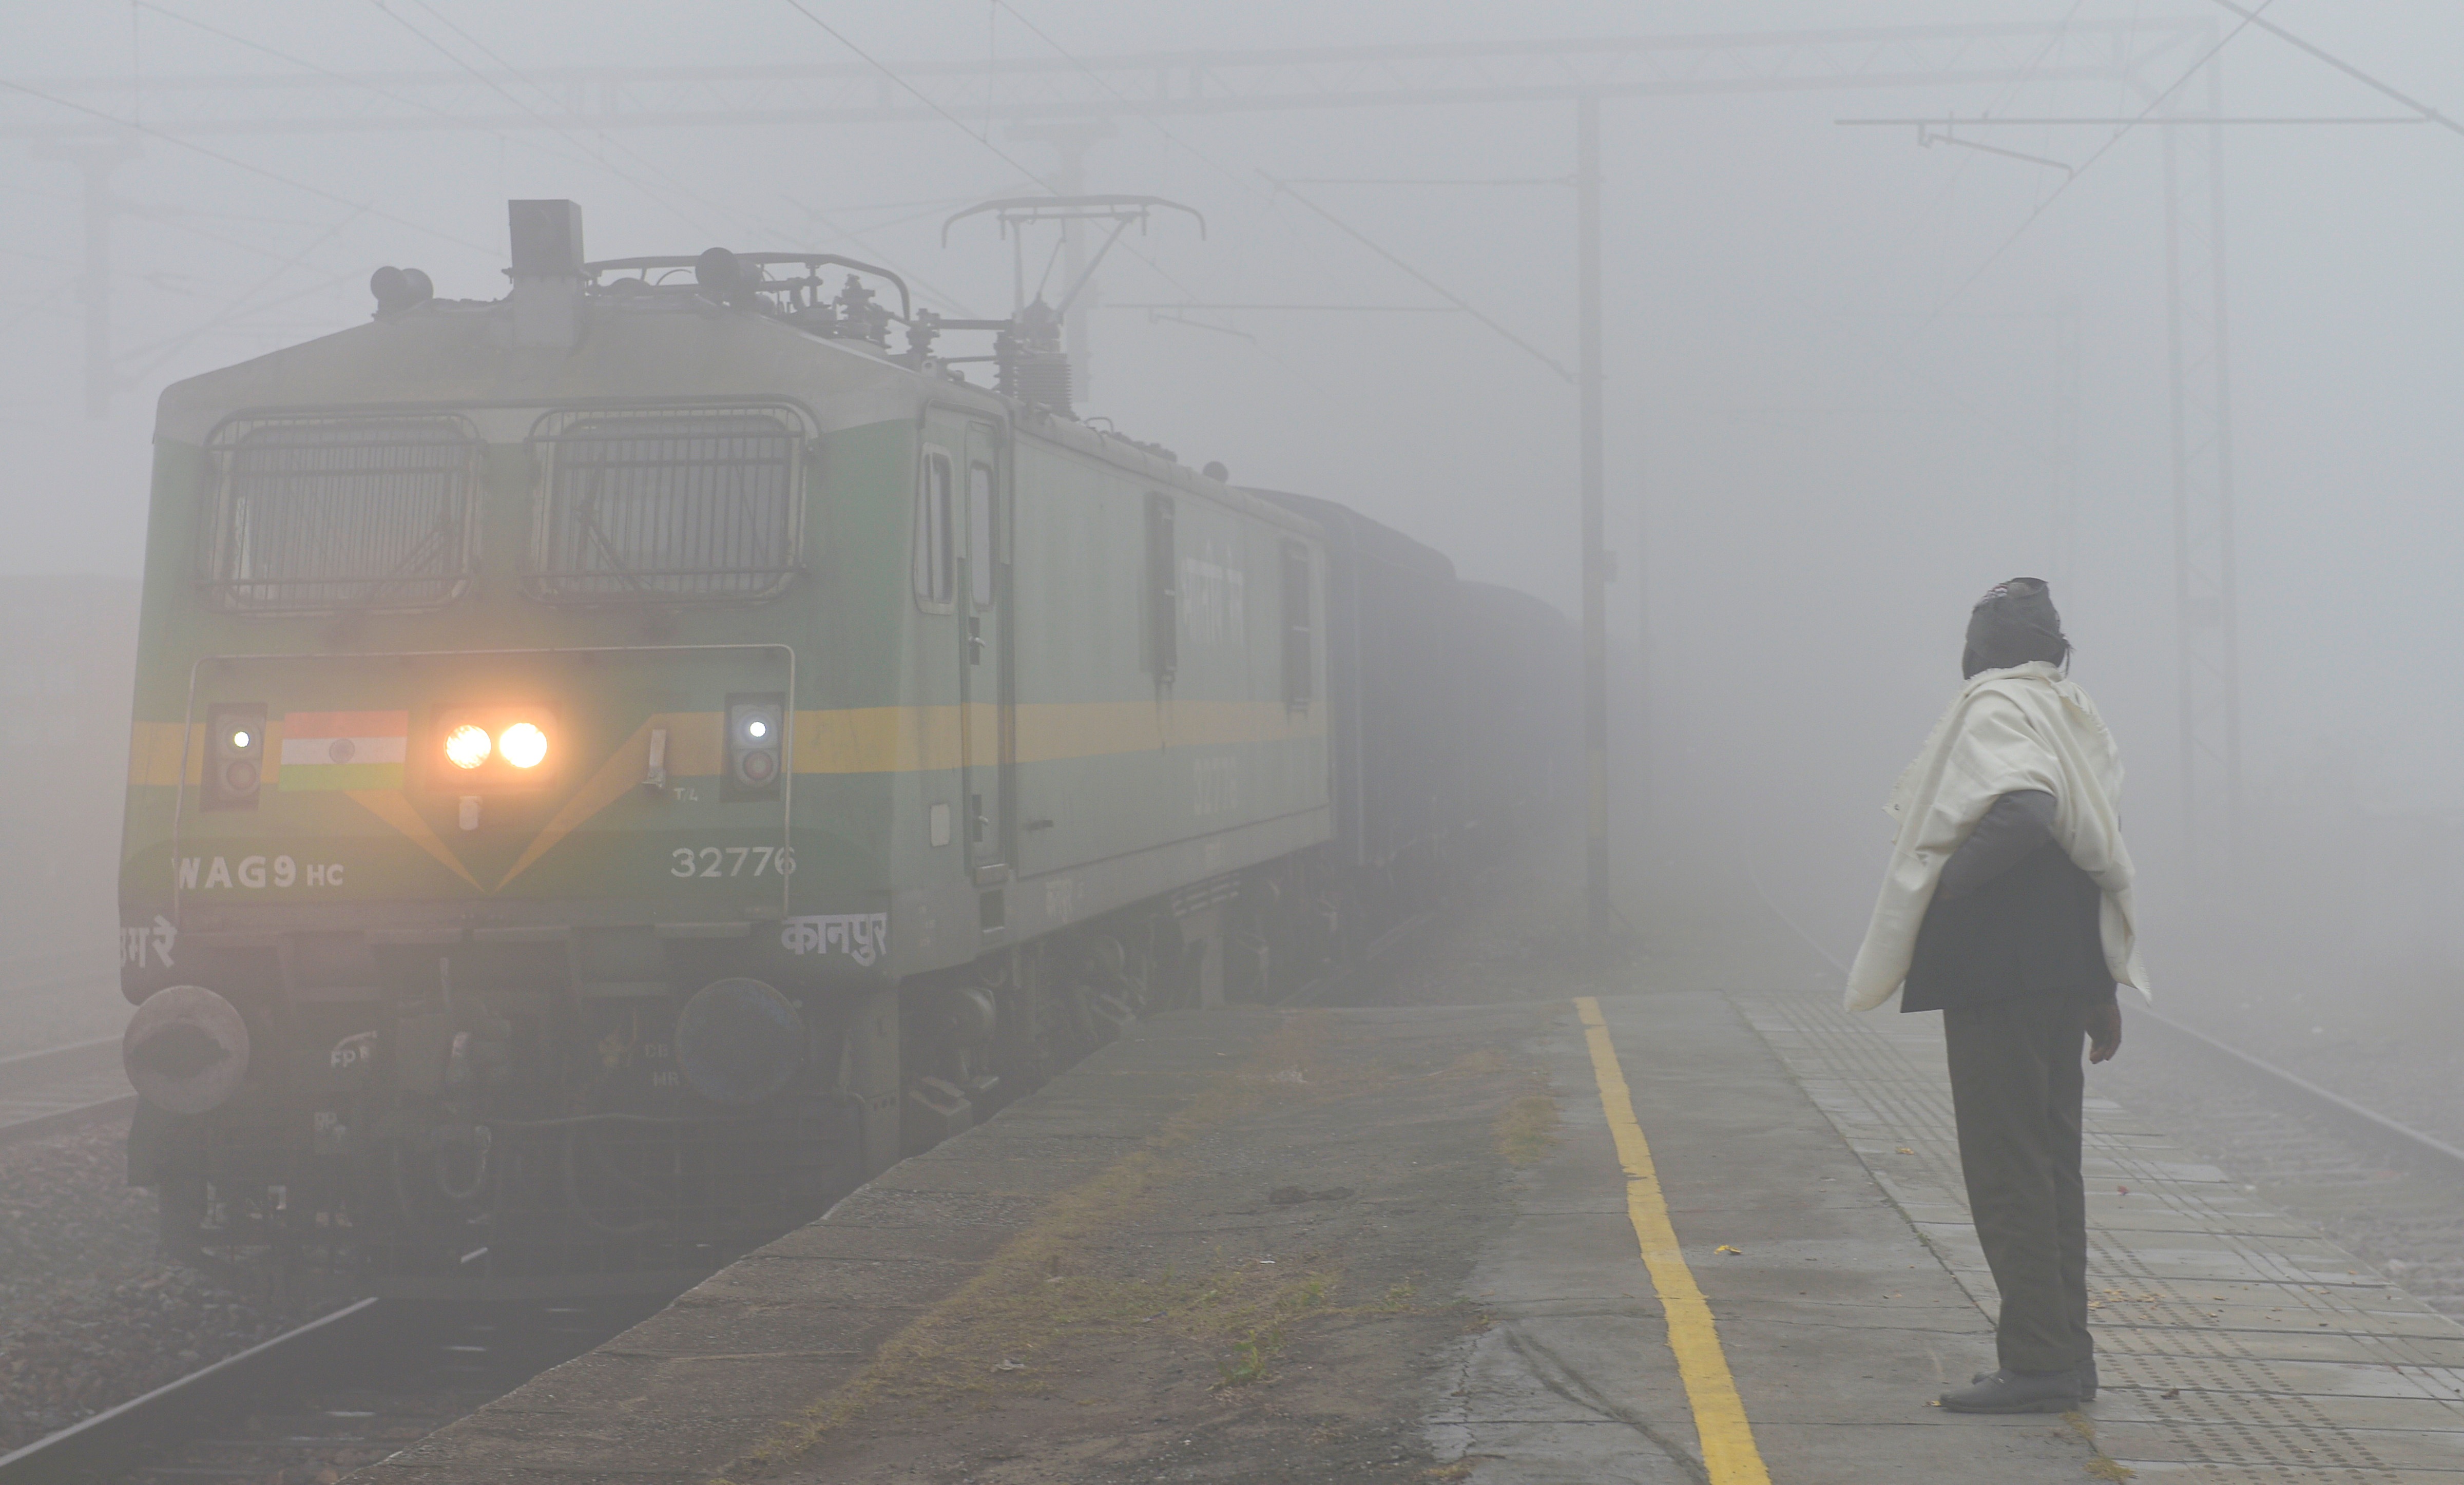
[2008,1391]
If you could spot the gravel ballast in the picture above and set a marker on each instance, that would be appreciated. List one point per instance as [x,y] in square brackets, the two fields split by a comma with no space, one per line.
[89,1315]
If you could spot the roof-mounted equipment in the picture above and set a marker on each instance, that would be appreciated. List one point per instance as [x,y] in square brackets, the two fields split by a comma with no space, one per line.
[1027,351]
[399,289]
[547,273]
[756,281]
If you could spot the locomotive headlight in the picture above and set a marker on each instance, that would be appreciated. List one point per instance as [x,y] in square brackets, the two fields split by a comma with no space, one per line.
[468,746]
[523,744]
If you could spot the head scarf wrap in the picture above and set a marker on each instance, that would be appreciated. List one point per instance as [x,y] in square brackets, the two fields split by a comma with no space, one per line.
[2012,624]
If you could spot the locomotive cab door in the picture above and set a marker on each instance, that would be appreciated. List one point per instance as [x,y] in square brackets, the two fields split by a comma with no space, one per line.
[986,711]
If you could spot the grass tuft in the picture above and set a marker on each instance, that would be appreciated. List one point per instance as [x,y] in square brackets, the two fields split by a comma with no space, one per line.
[1247,1362]
[1527,1131]
[2099,1464]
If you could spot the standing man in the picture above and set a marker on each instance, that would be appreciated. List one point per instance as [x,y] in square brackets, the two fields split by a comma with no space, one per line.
[2007,908]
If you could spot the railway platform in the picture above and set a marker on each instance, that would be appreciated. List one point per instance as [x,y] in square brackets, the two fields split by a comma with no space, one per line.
[1672,1238]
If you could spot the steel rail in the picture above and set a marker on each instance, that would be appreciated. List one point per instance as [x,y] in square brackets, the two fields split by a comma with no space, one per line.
[53,1457]
[2369,1123]
[65,1049]
[34,1126]
[2366,1122]
[75,1067]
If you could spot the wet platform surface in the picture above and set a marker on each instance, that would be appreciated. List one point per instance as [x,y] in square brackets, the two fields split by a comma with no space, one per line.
[1400,1244]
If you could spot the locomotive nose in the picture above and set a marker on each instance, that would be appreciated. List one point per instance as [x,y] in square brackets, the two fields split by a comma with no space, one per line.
[185,1050]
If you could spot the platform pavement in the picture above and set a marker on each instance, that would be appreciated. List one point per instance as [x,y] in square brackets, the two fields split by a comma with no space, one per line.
[2236,1345]
[1535,1349]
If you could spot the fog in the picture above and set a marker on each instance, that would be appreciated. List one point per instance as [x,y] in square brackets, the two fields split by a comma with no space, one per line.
[1851,381]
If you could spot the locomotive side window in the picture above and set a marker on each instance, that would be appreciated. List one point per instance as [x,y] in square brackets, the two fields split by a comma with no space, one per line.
[980,535]
[1163,591]
[668,504]
[1297,677]
[936,569]
[315,514]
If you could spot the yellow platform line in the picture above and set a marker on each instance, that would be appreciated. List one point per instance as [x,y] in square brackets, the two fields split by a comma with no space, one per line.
[1729,1451]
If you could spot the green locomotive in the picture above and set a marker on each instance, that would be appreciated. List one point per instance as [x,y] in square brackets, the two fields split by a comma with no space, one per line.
[617,765]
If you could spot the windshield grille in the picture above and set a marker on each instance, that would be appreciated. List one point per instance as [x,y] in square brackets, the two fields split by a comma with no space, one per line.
[670,504]
[315,516]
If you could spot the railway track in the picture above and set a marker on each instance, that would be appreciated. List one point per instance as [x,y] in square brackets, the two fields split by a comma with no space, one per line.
[2425,1151]
[340,1392]
[58,1087]
[372,1377]
[2353,1118]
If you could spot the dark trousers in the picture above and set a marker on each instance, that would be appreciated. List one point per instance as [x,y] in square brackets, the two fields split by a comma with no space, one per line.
[2017,1080]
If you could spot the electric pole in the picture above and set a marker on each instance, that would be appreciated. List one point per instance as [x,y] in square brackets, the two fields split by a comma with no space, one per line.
[95,161]
[1595,557]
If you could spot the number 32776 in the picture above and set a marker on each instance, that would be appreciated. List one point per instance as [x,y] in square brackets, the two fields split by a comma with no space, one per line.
[731,861]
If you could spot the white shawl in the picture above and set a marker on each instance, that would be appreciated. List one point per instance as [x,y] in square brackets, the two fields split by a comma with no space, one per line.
[2028,727]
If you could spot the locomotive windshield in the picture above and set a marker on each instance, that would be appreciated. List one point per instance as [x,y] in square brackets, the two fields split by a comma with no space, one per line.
[332,514]
[668,504]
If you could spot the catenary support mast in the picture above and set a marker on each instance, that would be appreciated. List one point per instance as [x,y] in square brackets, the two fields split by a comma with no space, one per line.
[1595,557]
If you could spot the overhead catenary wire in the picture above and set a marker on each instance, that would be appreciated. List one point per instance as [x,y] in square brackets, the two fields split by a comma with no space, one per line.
[370,86]
[1950,183]
[682,190]
[1144,116]
[918,93]
[2253,18]
[654,192]
[1012,160]
[1148,117]
[1425,281]
[236,163]
[2154,103]
[1353,309]
[885,69]
[1433,180]
[222,323]
[239,303]
[679,186]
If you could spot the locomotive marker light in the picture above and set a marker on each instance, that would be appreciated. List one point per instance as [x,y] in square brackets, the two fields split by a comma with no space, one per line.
[236,758]
[756,738]
[185,1050]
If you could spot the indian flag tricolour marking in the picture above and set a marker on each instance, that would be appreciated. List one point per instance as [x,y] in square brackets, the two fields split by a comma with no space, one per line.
[343,749]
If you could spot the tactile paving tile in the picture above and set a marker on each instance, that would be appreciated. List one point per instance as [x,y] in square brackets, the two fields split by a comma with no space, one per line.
[2233,1341]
